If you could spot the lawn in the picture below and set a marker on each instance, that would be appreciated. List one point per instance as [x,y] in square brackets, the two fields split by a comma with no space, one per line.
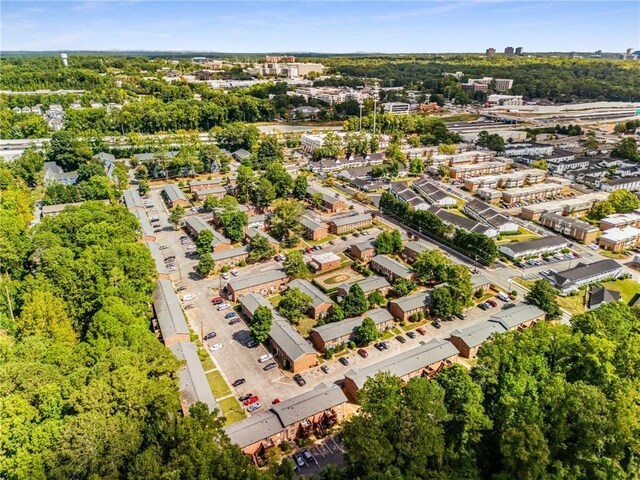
[573,305]
[460,117]
[275,300]
[322,241]
[628,288]
[522,236]
[218,386]
[208,364]
[614,255]
[232,410]
[305,325]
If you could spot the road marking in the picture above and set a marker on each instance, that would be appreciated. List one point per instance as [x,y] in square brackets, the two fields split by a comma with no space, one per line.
[334,442]
[319,450]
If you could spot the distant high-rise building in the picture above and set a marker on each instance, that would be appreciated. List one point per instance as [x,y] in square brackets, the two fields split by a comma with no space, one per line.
[65,61]
[490,52]
[518,50]
[508,51]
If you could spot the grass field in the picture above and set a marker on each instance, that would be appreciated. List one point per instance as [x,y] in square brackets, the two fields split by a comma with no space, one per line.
[573,305]
[461,117]
[218,386]
[615,255]
[208,365]
[628,288]
[232,410]
[305,325]
[522,236]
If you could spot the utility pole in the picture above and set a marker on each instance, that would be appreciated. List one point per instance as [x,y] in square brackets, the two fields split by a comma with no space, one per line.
[361,107]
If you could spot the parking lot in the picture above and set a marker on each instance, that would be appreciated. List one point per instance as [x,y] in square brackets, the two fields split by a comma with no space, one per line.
[328,451]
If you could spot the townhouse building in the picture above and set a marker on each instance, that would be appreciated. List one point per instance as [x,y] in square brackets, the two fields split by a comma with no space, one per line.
[571,227]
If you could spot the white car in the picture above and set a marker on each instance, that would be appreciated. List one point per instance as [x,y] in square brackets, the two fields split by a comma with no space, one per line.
[187,297]
[226,276]
[191,247]
[234,272]
[215,346]
[223,306]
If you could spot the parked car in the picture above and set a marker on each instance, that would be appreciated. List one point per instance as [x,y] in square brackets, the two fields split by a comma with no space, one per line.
[230,315]
[343,238]
[492,303]
[343,361]
[324,368]
[189,306]
[299,460]
[250,400]
[308,457]
[188,296]
[181,288]
[234,272]
[163,247]
[210,335]
[299,380]
[363,353]
[269,366]
[436,324]
[217,300]
[253,408]
[191,247]
[379,346]
[411,334]
[238,382]
[233,321]
[251,343]
[242,398]
[484,306]
[401,339]
[421,331]
[264,358]
[215,346]
[226,276]
[461,316]
[223,306]
[386,345]
[276,401]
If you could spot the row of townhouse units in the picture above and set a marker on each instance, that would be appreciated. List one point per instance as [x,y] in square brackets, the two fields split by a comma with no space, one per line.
[508,180]
[174,196]
[403,193]
[339,226]
[571,227]
[194,224]
[314,229]
[290,349]
[464,223]
[433,194]
[336,164]
[460,172]
[331,335]
[630,183]
[533,248]
[577,206]
[523,149]
[574,165]
[554,187]
[620,239]
[264,283]
[620,220]
[484,212]
[469,157]
[557,158]
[391,268]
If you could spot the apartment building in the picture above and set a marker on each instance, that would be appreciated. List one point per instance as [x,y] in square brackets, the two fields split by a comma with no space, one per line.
[483,212]
[523,149]
[354,161]
[172,325]
[533,248]
[320,303]
[629,183]
[464,223]
[403,193]
[460,172]
[229,258]
[314,229]
[368,286]
[534,192]
[423,361]
[331,335]
[620,239]
[174,196]
[339,226]
[576,164]
[216,192]
[507,180]
[620,220]
[328,202]
[403,308]
[434,195]
[571,227]
[264,283]
[577,206]
[390,268]
[204,184]
[584,274]
[363,251]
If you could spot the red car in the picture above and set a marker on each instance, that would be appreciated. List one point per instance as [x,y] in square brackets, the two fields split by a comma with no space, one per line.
[363,353]
[277,400]
[421,331]
[251,400]
[217,301]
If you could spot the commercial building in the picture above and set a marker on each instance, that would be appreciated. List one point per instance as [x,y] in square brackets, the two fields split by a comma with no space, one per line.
[505,100]
[464,223]
[320,303]
[323,262]
[230,258]
[363,251]
[169,316]
[264,283]
[620,239]
[312,413]
[468,340]
[314,229]
[583,274]
[460,172]
[533,248]
[403,308]
[620,220]
[571,227]
[434,195]
[174,196]
[368,286]
[339,226]
[397,108]
[390,268]
[329,203]
[423,361]
[333,334]
[193,385]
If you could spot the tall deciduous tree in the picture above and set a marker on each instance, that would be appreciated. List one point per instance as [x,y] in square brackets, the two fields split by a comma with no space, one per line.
[355,303]
[261,323]
[543,296]
[294,304]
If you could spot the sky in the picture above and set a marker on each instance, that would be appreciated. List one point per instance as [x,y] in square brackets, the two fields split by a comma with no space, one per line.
[392,26]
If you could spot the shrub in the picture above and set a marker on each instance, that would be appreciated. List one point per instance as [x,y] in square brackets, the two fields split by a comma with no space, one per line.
[478,294]
[352,345]
[514,293]
[243,263]
[225,269]
[328,354]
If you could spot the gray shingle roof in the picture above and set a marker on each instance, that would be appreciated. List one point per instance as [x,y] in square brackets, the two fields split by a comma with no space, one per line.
[321,398]
[479,333]
[310,223]
[173,192]
[407,362]
[342,221]
[145,224]
[479,280]
[538,243]
[515,316]
[254,280]
[252,232]
[168,310]
[252,301]
[366,245]
[197,224]
[415,301]
[368,285]
[254,429]
[417,247]
[201,183]
[391,265]
[192,381]
[158,258]
[600,295]
[233,252]
[582,271]
[331,331]
[305,286]
[132,199]
[289,339]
